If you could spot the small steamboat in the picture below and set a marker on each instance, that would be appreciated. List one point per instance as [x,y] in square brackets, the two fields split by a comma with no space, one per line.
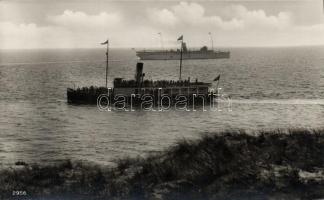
[139,91]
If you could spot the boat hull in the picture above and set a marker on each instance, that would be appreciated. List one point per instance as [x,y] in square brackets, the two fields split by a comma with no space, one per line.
[138,96]
[175,55]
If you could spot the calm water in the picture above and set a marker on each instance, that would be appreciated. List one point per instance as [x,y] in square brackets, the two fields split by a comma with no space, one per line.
[270,88]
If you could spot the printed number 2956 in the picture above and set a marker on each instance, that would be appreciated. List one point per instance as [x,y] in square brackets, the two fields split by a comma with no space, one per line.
[19,193]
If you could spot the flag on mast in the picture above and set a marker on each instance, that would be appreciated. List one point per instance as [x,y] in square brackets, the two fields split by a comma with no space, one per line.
[105,42]
[180,38]
[217,78]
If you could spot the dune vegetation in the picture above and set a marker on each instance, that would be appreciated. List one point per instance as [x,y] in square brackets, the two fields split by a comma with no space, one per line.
[276,164]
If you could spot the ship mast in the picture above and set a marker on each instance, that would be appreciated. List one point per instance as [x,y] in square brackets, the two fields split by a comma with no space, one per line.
[181,48]
[107,63]
[161,40]
[211,39]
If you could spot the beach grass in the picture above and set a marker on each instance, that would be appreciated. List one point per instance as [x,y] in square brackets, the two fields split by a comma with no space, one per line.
[269,164]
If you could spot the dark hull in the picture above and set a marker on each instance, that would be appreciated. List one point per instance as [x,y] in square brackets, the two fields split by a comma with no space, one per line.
[175,55]
[91,96]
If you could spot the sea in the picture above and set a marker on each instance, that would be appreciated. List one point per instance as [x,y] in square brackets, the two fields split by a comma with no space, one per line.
[268,89]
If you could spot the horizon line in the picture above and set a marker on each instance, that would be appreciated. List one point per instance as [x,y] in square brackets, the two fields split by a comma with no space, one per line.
[167,48]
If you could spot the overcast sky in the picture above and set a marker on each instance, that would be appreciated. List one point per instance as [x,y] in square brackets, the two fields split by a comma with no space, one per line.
[85,23]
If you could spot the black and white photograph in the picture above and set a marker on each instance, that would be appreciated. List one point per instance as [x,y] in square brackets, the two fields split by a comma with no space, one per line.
[161,99]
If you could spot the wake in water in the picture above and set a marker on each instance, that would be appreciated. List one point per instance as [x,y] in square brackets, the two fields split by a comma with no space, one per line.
[280,101]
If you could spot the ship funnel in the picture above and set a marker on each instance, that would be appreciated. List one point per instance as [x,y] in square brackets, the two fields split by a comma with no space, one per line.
[139,72]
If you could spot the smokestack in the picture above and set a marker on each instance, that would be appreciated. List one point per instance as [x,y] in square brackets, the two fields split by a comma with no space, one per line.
[139,72]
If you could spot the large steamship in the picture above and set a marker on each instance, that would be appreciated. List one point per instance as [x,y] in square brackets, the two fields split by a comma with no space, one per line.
[183,53]
[202,53]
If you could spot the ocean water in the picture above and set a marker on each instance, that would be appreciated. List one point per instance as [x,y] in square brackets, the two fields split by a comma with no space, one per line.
[269,88]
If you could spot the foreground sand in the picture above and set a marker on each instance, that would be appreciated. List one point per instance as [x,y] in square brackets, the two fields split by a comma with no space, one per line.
[279,164]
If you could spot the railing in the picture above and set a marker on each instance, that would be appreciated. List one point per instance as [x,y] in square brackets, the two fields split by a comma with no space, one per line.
[178,51]
[157,84]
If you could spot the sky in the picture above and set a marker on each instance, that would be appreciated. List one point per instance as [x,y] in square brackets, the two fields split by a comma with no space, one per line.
[33,24]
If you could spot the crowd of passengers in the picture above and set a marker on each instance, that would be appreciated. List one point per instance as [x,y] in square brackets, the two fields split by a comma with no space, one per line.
[159,83]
